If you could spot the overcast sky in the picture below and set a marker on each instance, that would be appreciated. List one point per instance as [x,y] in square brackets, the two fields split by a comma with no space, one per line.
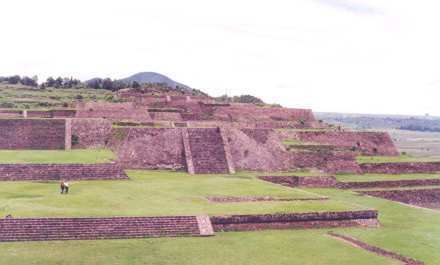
[378,56]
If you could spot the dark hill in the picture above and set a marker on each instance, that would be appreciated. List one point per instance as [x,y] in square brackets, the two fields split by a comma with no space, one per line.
[152,77]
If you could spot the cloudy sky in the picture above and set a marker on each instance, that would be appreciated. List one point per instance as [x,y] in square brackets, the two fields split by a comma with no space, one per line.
[370,56]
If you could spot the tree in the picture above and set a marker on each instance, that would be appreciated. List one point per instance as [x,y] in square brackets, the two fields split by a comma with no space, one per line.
[15,79]
[50,82]
[107,84]
[135,84]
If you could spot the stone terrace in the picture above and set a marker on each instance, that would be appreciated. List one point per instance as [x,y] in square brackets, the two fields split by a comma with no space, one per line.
[37,229]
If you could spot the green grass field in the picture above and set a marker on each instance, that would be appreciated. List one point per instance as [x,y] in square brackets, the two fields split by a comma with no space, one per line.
[86,156]
[151,193]
[410,231]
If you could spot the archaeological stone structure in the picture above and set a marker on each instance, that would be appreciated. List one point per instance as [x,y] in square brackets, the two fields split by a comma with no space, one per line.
[197,135]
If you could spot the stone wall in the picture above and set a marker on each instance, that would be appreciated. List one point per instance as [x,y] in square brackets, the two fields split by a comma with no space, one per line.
[331,162]
[294,220]
[401,167]
[429,198]
[11,113]
[148,148]
[302,181]
[90,133]
[257,150]
[32,134]
[89,228]
[249,112]
[113,111]
[25,172]
[367,143]
[388,183]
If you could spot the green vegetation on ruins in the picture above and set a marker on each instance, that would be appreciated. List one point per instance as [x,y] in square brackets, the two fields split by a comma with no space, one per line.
[85,156]
[22,97]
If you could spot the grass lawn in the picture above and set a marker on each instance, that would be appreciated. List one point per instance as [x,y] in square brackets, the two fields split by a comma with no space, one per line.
[394,159]
[410,231]
[151,193]
[86,156]
[382,177]
[283,247]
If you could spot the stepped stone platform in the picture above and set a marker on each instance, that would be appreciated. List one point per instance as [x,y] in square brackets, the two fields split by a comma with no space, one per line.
[401,167]
[40,229]
[300,181]
[427,198]
[295,220]
[26,172]
[388,183]
[232,199]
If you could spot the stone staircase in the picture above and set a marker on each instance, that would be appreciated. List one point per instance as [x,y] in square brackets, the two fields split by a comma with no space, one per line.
[39,229]
[207,151]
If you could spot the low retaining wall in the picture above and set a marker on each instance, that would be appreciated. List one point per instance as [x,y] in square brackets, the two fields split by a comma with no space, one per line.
[24,172]
[294,220]
[39,229]
[296,181]
[401,167]
[429,198]
[388,183]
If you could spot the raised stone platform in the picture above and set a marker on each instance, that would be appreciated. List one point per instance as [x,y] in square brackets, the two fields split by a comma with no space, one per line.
[302,181]
[295,220]
[388,183]
[26,172]
[401,167]
[428,198]
[39,229]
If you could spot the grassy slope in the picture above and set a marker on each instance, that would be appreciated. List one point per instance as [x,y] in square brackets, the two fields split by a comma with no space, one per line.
[381,177]
[154,193]
[22,97]
[91,156]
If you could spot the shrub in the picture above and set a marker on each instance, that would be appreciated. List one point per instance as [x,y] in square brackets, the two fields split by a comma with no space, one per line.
[75,140]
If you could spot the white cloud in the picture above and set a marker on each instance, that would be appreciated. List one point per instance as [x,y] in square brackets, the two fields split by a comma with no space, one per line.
[330,55]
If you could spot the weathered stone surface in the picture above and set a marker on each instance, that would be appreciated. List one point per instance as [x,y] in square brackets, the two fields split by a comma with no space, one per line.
[22,172]
[42,229]
[401,167]
[32,134]
[366,143]
[90,133]
[148,148]
[294,220]
[429,198]
[302,181]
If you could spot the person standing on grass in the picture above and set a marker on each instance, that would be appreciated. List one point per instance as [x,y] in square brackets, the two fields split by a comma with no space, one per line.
[62,186]
[66,187]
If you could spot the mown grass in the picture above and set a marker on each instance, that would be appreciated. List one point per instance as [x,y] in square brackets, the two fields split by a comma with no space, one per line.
[151,193]
[383,177]
[85,156]
[410,231]
[394,159]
